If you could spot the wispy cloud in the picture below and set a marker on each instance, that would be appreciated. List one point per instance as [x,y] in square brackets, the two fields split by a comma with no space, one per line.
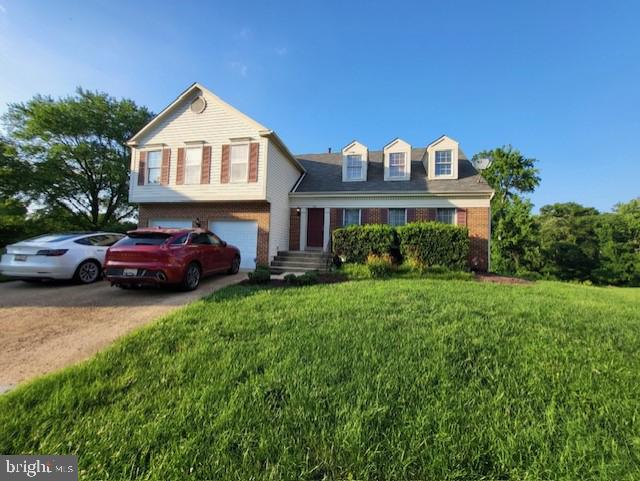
[240,68]
[281,51]
[243,33]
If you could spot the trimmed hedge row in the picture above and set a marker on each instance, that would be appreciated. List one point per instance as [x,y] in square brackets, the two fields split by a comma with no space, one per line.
[356,242]
[429,244]
[423,244]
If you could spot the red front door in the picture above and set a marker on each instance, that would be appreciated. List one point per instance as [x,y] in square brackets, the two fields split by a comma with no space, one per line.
[315,226]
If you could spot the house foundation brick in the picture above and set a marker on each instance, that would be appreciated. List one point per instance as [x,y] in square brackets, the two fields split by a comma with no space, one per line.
[208,211]
[478,223]
[294,230]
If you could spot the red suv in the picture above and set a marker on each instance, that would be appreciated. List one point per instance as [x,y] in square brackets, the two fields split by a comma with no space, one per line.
[168,256]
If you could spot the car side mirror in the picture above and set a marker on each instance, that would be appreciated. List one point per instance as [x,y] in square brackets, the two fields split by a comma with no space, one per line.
[224,243]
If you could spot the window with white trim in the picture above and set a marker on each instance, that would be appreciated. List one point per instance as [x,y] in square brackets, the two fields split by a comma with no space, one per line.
[351,217]
[154,164]
[354,167]
[397,164]
[397,217]
[192,165]
[446,215]
[443,162]
[239,160]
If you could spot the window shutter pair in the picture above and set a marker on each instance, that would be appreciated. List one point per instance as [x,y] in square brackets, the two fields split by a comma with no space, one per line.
[205,166]
[225,164]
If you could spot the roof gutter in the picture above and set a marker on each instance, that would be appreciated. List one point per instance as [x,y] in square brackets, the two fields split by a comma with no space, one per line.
[391,194]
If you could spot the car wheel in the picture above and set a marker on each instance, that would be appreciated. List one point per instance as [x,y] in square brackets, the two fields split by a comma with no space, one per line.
[87,272]
[192,276]
[235,265]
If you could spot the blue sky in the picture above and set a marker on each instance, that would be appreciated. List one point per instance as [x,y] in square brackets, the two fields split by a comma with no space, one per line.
[559,80]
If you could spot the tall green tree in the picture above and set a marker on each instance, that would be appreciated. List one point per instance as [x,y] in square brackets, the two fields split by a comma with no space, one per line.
[75,148]
[511,175]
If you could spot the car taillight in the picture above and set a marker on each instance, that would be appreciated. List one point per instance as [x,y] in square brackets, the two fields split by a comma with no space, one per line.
[51,252]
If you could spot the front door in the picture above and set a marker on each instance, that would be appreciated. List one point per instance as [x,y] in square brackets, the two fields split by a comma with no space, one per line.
[315,227]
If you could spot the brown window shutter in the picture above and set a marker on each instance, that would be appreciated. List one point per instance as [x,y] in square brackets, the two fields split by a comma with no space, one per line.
[364,216]
[164,167]
[224,165]
[461,215]
[180,166]
[411,215]
[205,173]
[384,216]
[254,148]
[339,217]
[142,167]
[431,214]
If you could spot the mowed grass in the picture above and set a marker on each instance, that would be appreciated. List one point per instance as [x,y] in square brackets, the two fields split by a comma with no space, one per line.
[369,380]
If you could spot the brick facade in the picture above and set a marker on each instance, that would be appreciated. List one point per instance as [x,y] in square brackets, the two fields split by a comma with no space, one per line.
[294,230]
[479,225]
[208,211]
[477,220]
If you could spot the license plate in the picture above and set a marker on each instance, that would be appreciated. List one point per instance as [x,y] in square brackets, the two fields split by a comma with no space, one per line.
[130,272]
[21,257]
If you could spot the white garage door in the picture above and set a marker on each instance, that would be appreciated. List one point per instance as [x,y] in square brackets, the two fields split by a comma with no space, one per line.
[176,223]
[241,233]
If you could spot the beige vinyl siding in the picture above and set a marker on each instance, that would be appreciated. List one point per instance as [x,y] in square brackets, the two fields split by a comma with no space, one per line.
[282,176]
[215,126]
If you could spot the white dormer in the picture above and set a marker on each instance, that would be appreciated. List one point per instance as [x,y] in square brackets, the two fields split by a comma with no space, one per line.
[397,160]
[355,157]
[441,159]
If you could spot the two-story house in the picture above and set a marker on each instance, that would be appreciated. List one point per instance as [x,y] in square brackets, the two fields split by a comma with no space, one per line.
[202,161]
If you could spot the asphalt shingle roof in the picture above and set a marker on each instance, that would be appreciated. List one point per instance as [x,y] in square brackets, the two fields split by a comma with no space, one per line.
[324,174]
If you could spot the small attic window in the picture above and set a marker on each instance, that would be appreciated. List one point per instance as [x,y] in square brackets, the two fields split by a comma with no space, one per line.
[198,105]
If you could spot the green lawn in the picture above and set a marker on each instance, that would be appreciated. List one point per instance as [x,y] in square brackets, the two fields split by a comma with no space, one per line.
[367,380]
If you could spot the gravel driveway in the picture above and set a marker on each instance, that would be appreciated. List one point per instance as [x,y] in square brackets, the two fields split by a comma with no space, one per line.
[51,325]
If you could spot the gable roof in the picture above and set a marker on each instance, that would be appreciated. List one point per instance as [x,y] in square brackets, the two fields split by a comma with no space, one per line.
[324,175]
[185,94]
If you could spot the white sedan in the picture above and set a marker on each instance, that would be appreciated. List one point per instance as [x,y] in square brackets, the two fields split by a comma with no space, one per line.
[67,255]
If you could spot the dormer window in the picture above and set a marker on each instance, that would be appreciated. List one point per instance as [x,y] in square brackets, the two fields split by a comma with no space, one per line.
[443,162]
[397,164]
[354,162]
[354,167]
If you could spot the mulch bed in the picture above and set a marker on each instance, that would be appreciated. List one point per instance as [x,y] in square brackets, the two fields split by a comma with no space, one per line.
[322,279]
[486,277]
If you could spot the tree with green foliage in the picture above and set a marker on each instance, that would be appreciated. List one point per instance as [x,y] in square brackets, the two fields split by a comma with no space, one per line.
[569,240]
[75,148]
[511,175]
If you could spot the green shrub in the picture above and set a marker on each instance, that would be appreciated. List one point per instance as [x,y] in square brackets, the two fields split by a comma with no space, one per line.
[306,279]
[356,242]
[380,266]
[427,244]
[261,275]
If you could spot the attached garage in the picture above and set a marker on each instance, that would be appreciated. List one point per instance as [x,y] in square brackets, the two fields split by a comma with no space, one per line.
[241,233]
[172,223]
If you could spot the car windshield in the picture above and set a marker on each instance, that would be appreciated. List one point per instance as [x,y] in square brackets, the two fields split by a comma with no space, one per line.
[143,239]
[59,237]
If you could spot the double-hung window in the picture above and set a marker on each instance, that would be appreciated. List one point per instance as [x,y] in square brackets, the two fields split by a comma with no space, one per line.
[397,164]
[446,216]
[354,167]
[192,165]
[351,217]
[443,162]
[154,163]
[239,159]
[397,217]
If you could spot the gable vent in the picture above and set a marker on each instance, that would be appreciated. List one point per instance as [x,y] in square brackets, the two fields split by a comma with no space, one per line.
[198,105]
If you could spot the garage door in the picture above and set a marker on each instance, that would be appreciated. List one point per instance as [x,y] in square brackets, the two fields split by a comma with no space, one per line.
[176,223]
[241,233]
